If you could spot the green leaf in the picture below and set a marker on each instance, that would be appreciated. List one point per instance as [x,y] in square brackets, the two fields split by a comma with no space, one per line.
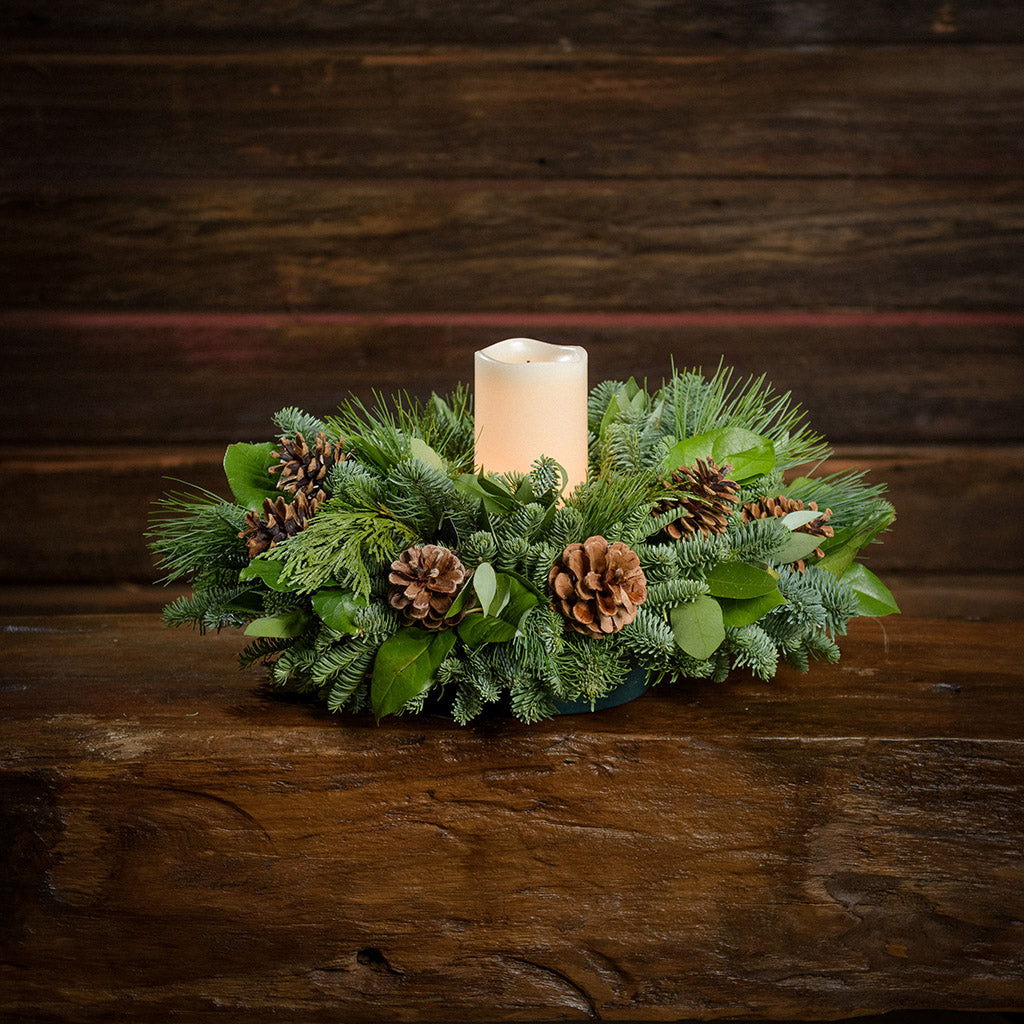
[506,620]
[522,596]
[247,468]
[799,545]
[287,624]
[485,583]
[404,666]
[268,572]
[794,520]
[338,608]
[740,580]
[688,451]
[422,451]
[873,596]
[743,613]
[460,601]
[841,549]
[475,630]
[496,499]
[750,462]
[698,626]
[750,454]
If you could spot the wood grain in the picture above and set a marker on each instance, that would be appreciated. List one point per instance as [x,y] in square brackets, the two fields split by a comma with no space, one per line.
[956,509]
[200,380]
[561,26]
[648,246]
[833,112]
[840,843]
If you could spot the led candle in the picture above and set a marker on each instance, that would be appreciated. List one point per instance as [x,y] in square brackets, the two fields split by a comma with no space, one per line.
[531,400]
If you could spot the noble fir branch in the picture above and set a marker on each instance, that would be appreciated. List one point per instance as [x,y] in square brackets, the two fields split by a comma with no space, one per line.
[752,648]
[355,484]
[589,669]
[428,504]
[216,608]
[768,485]
[479,546]
[649,640]
[758,540]
[699,554]
[292,421]
[195,531]
[659,562]
[634,444]
[597,402]
[547,478]
[672,592]
[263,649]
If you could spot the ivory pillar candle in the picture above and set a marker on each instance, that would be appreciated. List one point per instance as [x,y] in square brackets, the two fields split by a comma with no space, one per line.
[531,400]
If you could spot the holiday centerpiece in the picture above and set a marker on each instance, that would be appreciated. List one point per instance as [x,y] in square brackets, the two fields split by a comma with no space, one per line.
[557,551]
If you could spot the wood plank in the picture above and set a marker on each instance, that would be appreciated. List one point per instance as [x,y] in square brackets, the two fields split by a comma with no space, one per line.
[560,26]
[989,597]
[842,843]
[956,509]
[206,379]
[947,244]
[837,112]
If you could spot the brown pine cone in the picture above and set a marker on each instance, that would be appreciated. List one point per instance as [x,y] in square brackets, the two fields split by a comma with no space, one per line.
[302,468]
[424,584]
[705,503]
[598,586]
[781,506]
[282,520]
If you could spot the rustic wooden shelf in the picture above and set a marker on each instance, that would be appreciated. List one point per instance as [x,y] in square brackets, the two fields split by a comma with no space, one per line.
[183,843]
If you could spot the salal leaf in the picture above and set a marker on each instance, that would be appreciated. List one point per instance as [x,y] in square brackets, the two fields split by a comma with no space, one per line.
[287,624]
[740,580]
[794,520]
[247,467]
[873,596]
[268,572]
[743,613]
[475,630]
[338,608]
[749,462]
[799,545]
[698,626]
[749,454]
[419,449]
[496,499]
[405,665]
[520,596]
[485,583]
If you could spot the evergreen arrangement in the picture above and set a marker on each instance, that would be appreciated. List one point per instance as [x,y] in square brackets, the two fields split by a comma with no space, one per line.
[372,567]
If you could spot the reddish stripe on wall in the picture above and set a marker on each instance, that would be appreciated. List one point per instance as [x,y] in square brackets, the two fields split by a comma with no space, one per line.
[744,318]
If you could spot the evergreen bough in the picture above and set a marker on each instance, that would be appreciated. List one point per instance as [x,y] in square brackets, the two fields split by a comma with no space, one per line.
[315,605]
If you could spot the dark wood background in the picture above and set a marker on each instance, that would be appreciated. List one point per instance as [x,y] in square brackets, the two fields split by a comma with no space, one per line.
[212,209]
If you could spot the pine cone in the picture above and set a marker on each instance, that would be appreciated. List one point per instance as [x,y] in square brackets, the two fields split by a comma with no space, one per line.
[302,468]
[598,586]
[424,584]
[781,506]
[282,520]
[705,505]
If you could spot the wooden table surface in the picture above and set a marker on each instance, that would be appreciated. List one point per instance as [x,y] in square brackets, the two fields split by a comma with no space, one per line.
[183,843]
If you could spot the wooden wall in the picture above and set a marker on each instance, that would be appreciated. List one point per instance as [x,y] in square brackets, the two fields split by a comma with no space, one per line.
[212,209]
